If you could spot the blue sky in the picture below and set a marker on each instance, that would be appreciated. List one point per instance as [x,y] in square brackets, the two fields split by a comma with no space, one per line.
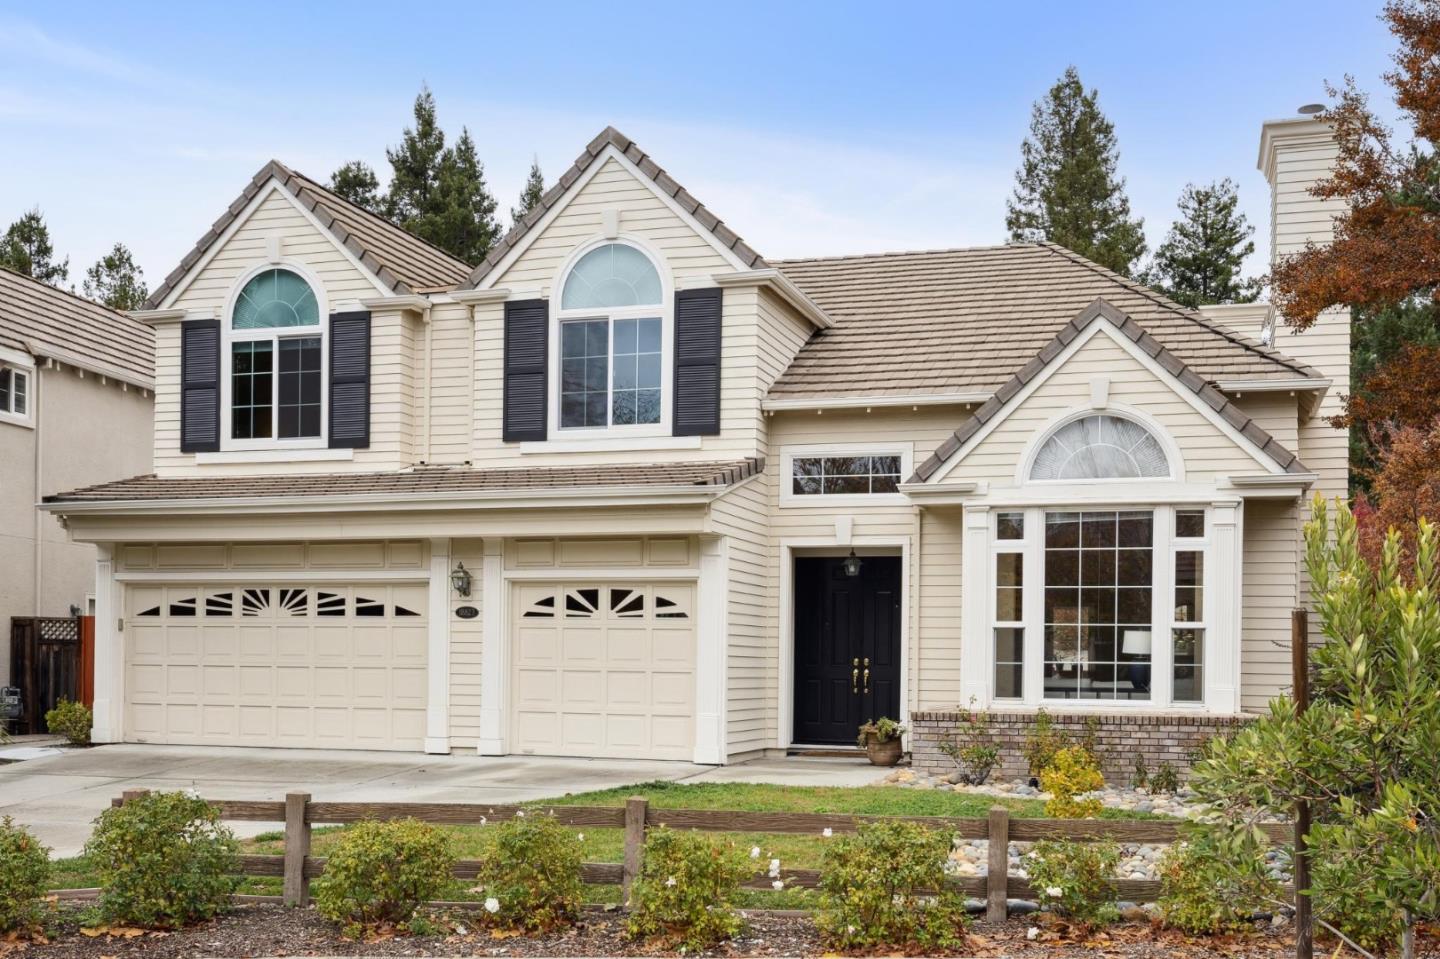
[824,128]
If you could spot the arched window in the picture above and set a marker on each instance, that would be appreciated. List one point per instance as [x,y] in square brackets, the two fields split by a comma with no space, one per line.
[275,360]
[611,336]
[1100,447]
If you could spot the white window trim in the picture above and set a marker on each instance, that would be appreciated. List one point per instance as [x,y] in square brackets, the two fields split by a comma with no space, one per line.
[27,370]
[230,336]
[556,435]
[788,455]
[1164,546]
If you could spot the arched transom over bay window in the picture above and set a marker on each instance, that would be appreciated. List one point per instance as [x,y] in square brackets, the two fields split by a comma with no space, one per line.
[1100,446]
[612,341]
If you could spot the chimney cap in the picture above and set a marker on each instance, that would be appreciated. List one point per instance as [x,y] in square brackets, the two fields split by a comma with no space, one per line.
[1311,109]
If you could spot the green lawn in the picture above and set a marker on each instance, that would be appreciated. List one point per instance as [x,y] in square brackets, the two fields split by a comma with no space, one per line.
[606,844]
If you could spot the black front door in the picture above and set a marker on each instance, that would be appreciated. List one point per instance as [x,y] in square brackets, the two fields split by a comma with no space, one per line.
[847,647]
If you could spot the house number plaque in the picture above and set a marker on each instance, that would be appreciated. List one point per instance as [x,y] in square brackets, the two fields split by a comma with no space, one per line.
[467,612]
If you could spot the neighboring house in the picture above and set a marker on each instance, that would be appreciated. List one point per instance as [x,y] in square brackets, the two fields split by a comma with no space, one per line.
[628,489]
[75,409]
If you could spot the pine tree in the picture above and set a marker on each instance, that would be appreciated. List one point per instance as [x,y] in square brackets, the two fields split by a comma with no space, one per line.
[461,218]
[116,280]
[1067,190]
[530,195]
[1200,259]
[415,164]
[356,182]
[26,249]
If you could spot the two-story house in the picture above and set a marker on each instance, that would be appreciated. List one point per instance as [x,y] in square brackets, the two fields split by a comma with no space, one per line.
[629,489]
[75,409]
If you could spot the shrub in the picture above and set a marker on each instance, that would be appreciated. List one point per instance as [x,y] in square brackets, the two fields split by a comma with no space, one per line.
[880,730]
[1072,771]
[24,876]
[884,888]
[685,895]
[1216,880]
[1165,779]
[1347,895]
[381,872]
[533,875]
[1042,742]
[1139,772]
[1073,879]
[164,860]
[974,755]
[71,720]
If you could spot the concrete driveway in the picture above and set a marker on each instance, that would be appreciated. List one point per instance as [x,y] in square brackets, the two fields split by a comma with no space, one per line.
[59,796]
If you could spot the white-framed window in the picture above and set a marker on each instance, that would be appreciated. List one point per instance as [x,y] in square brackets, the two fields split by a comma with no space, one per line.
[831,475]
[274,363]
[16,394]
[612,333]
[1099,605]
[1100,446]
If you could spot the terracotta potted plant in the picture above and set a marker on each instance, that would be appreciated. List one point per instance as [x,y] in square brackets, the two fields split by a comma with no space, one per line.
[880,738]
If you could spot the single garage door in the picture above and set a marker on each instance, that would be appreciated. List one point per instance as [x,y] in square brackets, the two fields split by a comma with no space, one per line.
[604,670]
[339,666]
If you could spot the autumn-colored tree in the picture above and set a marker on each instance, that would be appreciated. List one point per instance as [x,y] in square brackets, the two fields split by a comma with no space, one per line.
[1406,485]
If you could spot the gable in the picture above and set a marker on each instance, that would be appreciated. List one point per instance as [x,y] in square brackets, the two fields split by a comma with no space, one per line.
[1207,449]
[272,214]
[642,215]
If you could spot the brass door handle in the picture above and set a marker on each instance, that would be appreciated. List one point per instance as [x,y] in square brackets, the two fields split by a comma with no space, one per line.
[867,680]
[855,680]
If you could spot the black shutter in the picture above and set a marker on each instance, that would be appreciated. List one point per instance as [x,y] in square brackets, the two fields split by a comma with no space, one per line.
[527,324]
[697,363]
[350,380]
[200,386]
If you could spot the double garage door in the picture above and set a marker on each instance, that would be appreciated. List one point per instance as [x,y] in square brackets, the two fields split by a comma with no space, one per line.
[339,666]
[603,669]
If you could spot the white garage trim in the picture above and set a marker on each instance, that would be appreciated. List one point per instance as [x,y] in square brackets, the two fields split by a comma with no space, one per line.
[711,628]
[109,706]
[437,662]
[495,643]
[266,575]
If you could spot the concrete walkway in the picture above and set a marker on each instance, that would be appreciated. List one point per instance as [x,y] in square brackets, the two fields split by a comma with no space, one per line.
[58,796]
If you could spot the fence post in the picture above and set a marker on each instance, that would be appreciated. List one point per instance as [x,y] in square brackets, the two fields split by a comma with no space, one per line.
[636,808]
[1300,867]
[297,848]
[130,795]
[997,882]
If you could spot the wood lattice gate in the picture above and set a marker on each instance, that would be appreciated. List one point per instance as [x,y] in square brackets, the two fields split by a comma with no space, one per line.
[45,663]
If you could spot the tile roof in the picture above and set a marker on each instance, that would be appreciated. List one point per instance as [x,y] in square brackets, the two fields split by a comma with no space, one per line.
[963,321]
[403,262]
[1137,334]
[667,185]
[421,480]
[42,320]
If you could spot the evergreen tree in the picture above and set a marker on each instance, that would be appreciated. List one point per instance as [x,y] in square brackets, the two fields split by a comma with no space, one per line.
[1067,190]
[461,215]
[26,249]
[415,164]
[356,182]
[1200,259]
[116,280]
[530,195]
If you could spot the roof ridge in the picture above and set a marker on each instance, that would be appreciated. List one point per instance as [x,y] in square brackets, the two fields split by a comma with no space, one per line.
[664,182]
[898,253]
[1135,331]
[1194,316]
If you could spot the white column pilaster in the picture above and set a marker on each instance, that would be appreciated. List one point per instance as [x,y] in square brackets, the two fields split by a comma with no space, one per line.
[437,664]
[710,654]
[975,647]
[109,708]
[1222,652]
[495,657]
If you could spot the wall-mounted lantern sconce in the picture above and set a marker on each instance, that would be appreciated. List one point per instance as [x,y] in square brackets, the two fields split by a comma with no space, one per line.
[460,580]
[852,564]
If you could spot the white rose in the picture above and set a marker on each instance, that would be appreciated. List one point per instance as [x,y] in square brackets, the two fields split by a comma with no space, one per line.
[754,852]
[670,883]
[1032,933]
[520,814]
[827,832]
[492,905]
[581,837]
[1054,892]
[777,885]
[774,868]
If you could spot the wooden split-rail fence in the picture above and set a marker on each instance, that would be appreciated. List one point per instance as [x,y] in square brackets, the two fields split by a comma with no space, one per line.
[299,814]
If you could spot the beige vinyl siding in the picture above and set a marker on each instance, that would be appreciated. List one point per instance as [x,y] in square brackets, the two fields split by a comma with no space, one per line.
[467,648]
[750,647]
[935,648]
[1276,413]
[453,383]
[1269,578]
[1207,451]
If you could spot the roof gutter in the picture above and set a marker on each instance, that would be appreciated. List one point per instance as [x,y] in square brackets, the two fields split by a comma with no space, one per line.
[866,402]
[576,496]
[772,279]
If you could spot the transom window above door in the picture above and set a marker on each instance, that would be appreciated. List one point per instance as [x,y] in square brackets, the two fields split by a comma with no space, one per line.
[612,341]
[275,360]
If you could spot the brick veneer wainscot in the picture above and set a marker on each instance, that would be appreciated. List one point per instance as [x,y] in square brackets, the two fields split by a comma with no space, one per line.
[1160,737]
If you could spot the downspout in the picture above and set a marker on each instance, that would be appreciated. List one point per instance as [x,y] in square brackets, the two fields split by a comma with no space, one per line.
[36,409]
[916,642]
[429,375]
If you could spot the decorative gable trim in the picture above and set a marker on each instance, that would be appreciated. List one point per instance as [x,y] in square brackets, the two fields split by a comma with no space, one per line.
[1130,335]
[612,144]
